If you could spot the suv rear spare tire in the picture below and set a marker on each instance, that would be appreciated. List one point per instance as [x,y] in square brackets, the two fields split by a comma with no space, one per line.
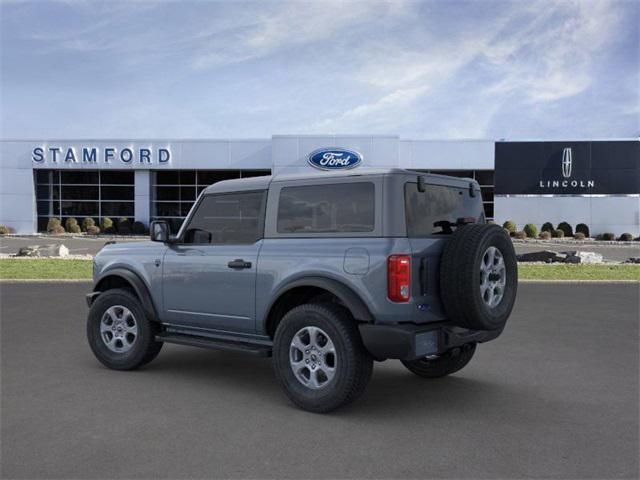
[479,277]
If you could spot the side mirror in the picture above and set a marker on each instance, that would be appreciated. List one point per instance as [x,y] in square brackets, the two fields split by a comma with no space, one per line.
[159,231]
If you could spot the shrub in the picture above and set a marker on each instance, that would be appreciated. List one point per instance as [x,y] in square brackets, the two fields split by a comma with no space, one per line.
[557,233]
[547,227]
[566,228]
[521,235]
[107,225]
[626,237]
[138,228]
[491,222]
[579,236]
[5,230]
[608,236]
[583,228]
[93,230]
[88,222]
[546,235]
[57,230]
[124,226]
[71,225]
[510,227]
[52,224]
[531,230]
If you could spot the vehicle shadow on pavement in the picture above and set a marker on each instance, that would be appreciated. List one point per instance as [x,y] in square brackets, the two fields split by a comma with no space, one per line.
[393,391]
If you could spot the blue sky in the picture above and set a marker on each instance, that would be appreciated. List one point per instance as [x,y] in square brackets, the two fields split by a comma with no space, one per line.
[423,70]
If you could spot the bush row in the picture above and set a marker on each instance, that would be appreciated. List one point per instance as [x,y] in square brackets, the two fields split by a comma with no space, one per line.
[564,229]
[122,226]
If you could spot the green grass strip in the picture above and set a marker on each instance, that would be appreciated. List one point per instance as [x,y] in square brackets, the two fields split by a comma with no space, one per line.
[45,269]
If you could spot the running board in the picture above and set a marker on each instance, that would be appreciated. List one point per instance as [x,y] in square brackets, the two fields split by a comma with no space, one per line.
[215,344]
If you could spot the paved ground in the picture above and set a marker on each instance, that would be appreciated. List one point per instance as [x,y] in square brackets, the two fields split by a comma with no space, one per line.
[555,397]
[90,246]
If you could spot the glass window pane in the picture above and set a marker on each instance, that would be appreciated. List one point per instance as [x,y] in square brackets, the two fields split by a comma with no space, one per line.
[436,211]
[117,177]
[185,207]
[43,176]
[488,210]
[168,193]
[208,177]
[487,194]
[255,173]
[343,207]
[187,177]
[79,177]
[200,189]
[79,192]
[43,208]
[235,218]
[117,209]
[187,193]
[80,209]
[168,178]
[484,177]
[167,209]
[42,224]
[43,191]
[116,193]
[455,173]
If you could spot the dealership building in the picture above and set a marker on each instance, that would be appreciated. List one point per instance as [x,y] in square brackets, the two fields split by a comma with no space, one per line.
[596,182]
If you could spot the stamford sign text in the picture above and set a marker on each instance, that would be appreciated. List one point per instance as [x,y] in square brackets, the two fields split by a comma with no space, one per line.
[89,155]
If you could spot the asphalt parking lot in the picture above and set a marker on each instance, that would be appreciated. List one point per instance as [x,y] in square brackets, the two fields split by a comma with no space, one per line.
[91,245]
[556,396]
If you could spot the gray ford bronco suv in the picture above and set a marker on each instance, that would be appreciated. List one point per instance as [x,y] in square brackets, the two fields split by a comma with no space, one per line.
[325,272]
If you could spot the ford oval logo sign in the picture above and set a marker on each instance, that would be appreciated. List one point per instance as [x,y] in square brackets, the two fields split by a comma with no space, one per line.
[334,159]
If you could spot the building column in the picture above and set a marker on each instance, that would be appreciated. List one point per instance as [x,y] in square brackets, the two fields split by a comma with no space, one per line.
[142,196]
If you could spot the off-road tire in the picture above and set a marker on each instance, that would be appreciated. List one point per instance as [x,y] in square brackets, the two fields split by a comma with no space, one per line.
[353,363]
[460,277]
[144,349]
[451,362]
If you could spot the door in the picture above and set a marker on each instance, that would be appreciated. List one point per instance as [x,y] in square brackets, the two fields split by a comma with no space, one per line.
[209,275]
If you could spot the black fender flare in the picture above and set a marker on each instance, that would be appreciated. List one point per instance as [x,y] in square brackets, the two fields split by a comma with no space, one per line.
[345,294]
[142,292]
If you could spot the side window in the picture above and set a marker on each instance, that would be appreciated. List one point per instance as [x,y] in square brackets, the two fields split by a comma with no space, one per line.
[233,218]
[333,208]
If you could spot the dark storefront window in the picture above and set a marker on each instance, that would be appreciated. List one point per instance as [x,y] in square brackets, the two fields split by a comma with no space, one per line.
[80,194]
[483,177]
[175,192]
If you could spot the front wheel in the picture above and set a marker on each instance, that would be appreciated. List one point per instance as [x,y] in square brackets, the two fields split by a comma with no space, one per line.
[119,333]
[319,358]
[451,362]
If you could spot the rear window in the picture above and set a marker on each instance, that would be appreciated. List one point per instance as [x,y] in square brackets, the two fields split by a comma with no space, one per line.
[435,211]
[332,208]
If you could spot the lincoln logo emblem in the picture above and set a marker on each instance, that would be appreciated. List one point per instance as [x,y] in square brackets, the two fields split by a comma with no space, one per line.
[567,160]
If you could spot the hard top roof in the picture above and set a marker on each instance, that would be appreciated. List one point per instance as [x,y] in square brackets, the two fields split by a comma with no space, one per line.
[262,183]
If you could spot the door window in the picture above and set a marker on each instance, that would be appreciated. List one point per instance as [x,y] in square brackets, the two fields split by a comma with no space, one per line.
[233,218]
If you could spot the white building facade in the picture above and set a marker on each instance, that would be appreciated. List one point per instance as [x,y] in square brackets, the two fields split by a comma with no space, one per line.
[143,180]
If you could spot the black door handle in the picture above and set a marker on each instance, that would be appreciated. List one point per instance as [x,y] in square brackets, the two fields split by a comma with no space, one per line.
[239,264]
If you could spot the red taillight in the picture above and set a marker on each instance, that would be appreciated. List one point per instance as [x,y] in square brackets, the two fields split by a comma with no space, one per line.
[398,278]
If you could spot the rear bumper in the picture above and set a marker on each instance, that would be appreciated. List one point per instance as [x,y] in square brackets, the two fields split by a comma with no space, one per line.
[410,342]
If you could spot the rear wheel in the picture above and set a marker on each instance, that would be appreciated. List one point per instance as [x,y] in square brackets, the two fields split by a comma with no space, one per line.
[319,358]
[119,333]
[451,362]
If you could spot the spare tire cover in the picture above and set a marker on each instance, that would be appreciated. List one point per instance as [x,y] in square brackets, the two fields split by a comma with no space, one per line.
[479,277]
